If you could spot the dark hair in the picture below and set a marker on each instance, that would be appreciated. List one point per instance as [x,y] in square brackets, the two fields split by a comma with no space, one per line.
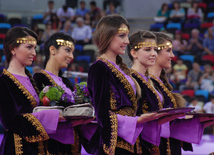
[177,3]
[137,37]
[81,2]
[104,32]
[50,2]
[52,42]
[161,38]
[10,39]
[164,4]
[10,43]
[197,6]
[93,3]
[65,8]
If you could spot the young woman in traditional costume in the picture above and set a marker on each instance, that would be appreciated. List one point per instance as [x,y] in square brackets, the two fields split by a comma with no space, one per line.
[114,92]
[26,132]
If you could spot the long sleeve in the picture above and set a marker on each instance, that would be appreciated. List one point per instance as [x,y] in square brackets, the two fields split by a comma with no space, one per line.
[15,116]
[99,89]
[128,126]
[187,130]
[151,132]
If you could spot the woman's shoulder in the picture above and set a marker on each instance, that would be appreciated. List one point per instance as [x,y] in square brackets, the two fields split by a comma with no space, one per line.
[99,64]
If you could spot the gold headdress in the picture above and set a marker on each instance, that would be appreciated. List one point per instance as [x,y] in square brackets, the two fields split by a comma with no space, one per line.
[145,44]
[26,41]
[123,30]
[166,45]
[65,43]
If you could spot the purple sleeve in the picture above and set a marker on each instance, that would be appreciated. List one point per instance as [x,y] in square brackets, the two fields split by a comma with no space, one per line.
[48,119]
[60,131]
[128,126]
[151,132]
[187,130]
[165,130]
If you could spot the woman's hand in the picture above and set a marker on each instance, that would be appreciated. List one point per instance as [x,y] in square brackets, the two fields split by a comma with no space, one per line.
[61,118]
[169,118]
[149,117]
[77,122]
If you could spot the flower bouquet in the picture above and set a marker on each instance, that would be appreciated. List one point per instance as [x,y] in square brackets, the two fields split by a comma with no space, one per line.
[55,96]
[81,94]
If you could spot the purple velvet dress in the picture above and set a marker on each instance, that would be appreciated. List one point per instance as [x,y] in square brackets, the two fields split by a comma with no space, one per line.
[114,99]
[65,133]
[26,133]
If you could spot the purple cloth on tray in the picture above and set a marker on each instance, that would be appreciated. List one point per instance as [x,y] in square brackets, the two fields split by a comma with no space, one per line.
[165,130]
[187,130]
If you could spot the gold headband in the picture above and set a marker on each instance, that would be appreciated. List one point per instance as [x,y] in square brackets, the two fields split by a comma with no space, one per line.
[123,30]
[145,44]
[65,43]
[26,40]
[166,45]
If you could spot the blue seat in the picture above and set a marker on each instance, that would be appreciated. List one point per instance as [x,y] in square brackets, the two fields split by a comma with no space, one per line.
[190,26]
[210,16]
[3,58]
[5,25]
[1,46]
[156,26]
[173,26]
[79,47]
[38,16]
[187,57]
[83,58]
[205,93]
[30,68]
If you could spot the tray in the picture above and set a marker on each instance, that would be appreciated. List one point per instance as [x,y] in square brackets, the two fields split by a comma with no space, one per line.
[200,114]
[176,110]
[77,117]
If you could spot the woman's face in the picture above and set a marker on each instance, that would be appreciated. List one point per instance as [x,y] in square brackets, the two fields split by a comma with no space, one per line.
[24,54]
[146,56]
[119,42]
[165,57]
[165,8]
[176,5]
[63,56]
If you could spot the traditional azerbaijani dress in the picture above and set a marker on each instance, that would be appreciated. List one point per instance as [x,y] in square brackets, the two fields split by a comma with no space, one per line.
[176,134]
[114,98]
[26,132]
[66,131]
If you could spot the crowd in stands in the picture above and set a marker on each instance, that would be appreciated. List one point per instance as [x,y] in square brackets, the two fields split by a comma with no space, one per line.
[77,22]
[191,24]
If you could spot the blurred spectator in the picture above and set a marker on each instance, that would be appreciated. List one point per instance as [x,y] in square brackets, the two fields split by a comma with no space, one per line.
[67,28]
[80,12]
[193,78]
[177,14]
[209,106]
[98,17]
[111,9]
[179,71]
[207,79]
[65,13]
[208,42]
[94,10]
[49,11]
[46,34]
[39,33]
[36,69]
[179,44]
[205,34]
[162,14]
[56,23]
[74,67]
[87,19]
[194,14]
[38,60]
[195,46]
[82,33]
[196,104]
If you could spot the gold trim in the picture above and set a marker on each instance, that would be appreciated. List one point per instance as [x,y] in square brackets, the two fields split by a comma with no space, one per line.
[123,80]
[155,150]
[166,45]
[75,147]
[112,100]
[123,30]
[63,42]
[145,44]
[114,129]
[41,148]
[165,89]
[26,41]
[43,134]
[22,88]
[168,147]
[149,86]
[18,144]
[125,145]
[49,77]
